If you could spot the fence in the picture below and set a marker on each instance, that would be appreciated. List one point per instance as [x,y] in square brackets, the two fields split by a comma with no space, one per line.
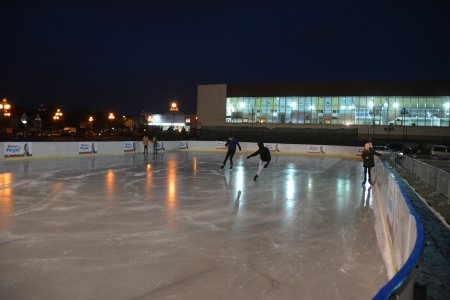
[434,172]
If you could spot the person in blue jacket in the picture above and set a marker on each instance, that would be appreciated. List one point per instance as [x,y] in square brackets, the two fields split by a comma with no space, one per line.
[265,158]
[231,143]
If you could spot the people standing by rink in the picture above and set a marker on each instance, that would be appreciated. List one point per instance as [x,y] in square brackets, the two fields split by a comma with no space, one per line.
[231,143]
[145,141]
[155,145]
[264,160]
[368,161]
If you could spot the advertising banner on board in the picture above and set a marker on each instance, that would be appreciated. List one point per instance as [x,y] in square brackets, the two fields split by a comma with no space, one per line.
[359,150]
[17,149]
[316,149]
[221,145]
[272,147]
[87,148]
[160,146]
[183,145]
[129,146]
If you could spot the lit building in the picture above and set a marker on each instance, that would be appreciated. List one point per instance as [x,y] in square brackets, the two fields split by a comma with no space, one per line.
[415,104]
[409,103]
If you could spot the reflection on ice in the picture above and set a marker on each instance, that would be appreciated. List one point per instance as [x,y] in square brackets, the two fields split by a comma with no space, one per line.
[110,183]
[5,192]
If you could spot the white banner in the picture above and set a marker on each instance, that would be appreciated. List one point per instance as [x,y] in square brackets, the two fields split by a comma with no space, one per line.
[359,150]
[316,149]
[183,145]
[87,148]
[221,145]
[272,147]
[129,146]
[17,149]
[160,146]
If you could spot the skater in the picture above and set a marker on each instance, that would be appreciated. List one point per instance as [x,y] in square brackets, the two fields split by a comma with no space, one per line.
[368,161]
[265,158]
[145,141]
[231,143]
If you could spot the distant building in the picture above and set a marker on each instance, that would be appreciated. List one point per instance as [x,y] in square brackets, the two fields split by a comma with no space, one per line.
[326,104]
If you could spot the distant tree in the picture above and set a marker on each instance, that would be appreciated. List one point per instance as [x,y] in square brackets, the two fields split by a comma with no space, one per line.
[129,124]
[183,133]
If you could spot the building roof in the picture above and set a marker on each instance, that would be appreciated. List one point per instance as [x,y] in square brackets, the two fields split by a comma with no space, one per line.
[342,88]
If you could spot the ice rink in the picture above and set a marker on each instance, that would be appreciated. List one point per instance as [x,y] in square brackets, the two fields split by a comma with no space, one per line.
[175,226]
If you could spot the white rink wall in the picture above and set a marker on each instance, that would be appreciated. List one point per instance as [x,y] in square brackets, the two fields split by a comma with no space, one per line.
[403,234]
[281,148]
[402,239]
[11,150]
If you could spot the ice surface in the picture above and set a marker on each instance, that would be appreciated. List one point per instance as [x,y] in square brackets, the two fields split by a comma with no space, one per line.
[175,227]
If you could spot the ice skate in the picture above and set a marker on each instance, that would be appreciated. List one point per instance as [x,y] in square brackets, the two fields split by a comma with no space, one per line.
[231,167]
[255,178]
[222,166]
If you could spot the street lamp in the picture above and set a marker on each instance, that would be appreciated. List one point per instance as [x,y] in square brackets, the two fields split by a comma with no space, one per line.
[38,119]
[173,109]
[58,115]
[5,106]
[111,118]
[24,119]
[91,121]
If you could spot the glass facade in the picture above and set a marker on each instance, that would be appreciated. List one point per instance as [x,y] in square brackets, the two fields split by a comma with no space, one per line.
[348,110]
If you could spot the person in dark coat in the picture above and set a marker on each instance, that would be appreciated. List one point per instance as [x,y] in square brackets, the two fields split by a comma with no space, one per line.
[231,143]
[155,145]
[368,161]
[265,158]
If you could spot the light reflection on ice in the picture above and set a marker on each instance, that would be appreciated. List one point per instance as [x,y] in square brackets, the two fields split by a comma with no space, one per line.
[110,183]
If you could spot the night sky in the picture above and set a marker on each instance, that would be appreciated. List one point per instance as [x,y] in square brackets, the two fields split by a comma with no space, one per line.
[129,56]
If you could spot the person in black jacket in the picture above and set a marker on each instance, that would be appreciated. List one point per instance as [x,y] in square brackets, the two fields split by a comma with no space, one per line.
[265,158]
[368,161]
[231,143]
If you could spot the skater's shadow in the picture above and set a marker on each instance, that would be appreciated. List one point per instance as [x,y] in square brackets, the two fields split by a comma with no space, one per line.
[236,207]
[236,204]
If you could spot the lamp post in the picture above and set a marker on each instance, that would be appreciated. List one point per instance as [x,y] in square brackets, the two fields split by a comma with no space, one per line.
[38,122]
[173,109]
[111,118]
[91,122]
[5,107]
[404,112]
[24,120]
[396,105]
[58,115]
[41,114]
[253,116]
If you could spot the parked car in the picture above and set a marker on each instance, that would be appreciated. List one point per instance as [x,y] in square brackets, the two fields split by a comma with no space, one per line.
[380,148]
[399,148]
[440,150]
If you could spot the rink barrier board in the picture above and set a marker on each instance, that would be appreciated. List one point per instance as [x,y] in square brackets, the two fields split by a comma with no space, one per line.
[404,233]
[14,150]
